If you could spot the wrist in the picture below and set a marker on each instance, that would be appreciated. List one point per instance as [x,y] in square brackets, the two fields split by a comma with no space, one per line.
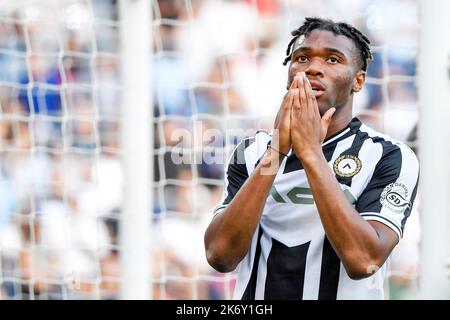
[277,149]
[274,155]
[271,161]
[311,156]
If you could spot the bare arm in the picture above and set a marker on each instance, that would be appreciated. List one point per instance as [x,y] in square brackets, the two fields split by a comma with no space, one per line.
[229,235]
[362,246]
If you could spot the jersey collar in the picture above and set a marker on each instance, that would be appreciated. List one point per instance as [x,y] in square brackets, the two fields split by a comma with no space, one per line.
[354,123]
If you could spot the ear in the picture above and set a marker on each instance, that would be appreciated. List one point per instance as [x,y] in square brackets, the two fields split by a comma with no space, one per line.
[358,81]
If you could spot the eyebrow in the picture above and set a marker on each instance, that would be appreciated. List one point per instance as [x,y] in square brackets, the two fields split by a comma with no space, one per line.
[328,50]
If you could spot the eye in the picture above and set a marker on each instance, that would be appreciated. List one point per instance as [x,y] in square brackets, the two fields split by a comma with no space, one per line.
[333,60]
[302,59]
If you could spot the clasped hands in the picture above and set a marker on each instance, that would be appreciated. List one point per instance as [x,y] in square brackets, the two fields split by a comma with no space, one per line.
[298,124]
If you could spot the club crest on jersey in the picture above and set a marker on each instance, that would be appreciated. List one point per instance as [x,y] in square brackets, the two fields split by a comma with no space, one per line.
[395,197]
[347,166]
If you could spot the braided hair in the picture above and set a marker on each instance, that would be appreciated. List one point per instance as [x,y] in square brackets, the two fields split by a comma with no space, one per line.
[338,28]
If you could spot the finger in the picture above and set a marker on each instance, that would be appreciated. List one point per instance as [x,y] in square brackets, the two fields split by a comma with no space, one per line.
[296,107]
[308,88]
[291,94]
[302,88]
[311,98]
[294,83]
[285,113]
[285,108]
[289,101]
[326,119]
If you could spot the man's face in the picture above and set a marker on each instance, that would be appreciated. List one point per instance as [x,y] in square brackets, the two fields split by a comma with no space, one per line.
[330,63]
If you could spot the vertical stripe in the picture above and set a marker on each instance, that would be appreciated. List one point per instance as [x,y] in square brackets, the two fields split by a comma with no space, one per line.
[411,201]
[386,172]
[286,271]
[370,154]
[409,159]
[235,172]
[329,274]
[357,144]
[249,293]
[313,263]
[255,151]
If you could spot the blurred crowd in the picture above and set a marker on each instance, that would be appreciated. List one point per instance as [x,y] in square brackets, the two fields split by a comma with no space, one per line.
[216,64]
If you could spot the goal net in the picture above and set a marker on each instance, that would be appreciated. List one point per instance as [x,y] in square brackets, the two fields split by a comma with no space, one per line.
[216,77]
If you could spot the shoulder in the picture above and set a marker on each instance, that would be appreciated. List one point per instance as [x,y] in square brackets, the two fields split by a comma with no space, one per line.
[253,146]
[249,150]
[393,153]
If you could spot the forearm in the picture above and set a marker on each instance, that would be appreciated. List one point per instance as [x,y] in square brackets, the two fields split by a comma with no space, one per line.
[229,235]
[355,241]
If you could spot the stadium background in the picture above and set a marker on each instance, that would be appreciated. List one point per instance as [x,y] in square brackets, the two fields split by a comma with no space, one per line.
[215,65]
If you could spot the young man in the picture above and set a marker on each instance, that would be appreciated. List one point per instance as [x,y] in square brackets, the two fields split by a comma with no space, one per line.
[314,210]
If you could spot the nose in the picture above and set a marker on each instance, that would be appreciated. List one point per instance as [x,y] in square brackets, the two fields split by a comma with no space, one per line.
[314,68]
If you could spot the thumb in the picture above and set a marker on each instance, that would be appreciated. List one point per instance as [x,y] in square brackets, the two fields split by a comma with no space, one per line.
[326,119]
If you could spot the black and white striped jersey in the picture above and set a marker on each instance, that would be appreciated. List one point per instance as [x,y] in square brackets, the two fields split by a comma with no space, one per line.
[290,256]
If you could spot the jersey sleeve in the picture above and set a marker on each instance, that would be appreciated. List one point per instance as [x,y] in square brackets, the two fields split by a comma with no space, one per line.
[389,196]
[235,175]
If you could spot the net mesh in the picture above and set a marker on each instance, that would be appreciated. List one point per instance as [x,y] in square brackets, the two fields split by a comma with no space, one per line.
[216,72]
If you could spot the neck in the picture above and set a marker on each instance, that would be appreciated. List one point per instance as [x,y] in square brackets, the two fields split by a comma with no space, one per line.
[340,120]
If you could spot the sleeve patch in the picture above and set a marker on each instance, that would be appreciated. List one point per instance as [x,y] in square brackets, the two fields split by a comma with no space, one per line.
[395,198]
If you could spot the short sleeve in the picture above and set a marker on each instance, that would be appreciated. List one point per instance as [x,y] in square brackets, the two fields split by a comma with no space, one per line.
[235,174]
[389,196]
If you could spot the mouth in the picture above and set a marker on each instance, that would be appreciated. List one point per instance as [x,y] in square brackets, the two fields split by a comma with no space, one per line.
[317,87]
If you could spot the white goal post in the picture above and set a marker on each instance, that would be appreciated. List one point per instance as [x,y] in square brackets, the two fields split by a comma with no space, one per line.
[434,133]
[137,148]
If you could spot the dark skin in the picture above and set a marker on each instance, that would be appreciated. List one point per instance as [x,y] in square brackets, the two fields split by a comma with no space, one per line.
[305,118]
